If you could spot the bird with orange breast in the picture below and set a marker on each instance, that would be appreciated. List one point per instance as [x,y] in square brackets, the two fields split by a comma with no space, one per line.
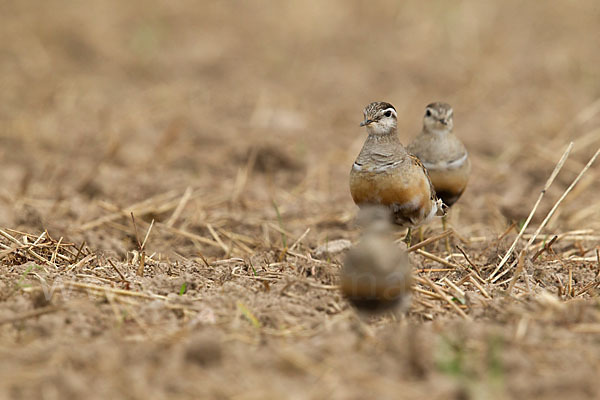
[385,173]
[443,154]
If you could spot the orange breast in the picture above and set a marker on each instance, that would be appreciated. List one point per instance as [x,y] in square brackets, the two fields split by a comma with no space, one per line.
[449,184]
[410,189]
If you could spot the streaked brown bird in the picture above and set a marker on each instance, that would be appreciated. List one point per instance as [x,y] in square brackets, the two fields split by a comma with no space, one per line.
[376,275]
[384,173]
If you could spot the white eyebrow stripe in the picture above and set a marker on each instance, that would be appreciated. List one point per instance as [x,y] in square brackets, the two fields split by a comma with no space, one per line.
[453,164]
[392,110]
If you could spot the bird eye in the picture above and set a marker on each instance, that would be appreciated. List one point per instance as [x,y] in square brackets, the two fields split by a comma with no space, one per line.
[428,113]
[388,113]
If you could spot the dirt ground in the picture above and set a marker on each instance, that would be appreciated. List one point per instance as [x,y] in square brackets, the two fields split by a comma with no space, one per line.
[228,129]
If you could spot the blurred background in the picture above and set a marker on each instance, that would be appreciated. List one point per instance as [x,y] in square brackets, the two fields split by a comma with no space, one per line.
[116,101]
[233,125]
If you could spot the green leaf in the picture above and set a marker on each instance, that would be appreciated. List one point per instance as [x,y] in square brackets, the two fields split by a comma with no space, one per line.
[183,288]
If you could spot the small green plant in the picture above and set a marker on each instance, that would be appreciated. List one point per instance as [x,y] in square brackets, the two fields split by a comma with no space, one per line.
[494,360]
[183,288]
[20,283]
[248,314]
[450,357]
[253,269]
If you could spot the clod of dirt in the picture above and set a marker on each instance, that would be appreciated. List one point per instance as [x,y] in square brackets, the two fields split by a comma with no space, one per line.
[90,189]
[39,299]
[203,350]
[30,218]
[333,247]
[270,158]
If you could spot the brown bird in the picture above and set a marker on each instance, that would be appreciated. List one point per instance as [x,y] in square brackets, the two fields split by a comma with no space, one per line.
[376,275]
[384,173]
[442,153]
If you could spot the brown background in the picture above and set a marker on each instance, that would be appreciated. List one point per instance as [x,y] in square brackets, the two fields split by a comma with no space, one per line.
[249,104]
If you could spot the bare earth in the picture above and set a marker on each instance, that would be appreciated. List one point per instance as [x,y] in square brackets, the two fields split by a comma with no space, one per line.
[232,125]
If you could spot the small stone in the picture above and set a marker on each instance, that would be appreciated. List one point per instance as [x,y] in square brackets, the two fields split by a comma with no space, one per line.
[333,247]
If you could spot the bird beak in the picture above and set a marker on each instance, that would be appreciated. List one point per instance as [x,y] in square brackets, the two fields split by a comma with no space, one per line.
[366,122]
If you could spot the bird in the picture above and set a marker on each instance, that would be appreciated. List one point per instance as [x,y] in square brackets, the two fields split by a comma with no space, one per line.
[376,274]
[385,173]
[442,153]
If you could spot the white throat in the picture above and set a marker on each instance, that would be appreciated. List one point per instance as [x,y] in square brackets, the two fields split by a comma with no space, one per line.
[383,127]
[438,132]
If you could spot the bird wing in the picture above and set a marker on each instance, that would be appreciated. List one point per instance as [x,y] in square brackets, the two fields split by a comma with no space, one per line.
[441,206]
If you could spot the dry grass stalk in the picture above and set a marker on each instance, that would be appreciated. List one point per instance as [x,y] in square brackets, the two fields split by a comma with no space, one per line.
[140,270]
[427,293]
[562,197]
[105,289]
[570,282]
[137,238]
[307,258]
[84,260]
[456,289]
[464,253]
[279,229]
[53,258]
[537,203]
[30,314]
[28,249]
[517,273]
[189,235]
[187,195]
[147,235]
[243,175]
[153,204]
[239,243]
[436,258]
[297,242]
[429,270]
[215,236]
[546,247]
[479,286]
[428,240]
[507,231]
[117,269]
[79,249]
[554,208]
[593,284]
[448,300]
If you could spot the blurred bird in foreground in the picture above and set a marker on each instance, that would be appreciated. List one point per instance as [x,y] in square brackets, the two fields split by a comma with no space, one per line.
[443,154]
[384,173]
[376,275]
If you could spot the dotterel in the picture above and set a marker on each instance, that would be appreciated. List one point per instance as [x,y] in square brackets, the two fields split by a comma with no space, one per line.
[442,153]
[384,173]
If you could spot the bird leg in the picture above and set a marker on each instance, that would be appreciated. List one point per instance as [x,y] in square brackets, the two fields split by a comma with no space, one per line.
[408,237]
[444,224]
